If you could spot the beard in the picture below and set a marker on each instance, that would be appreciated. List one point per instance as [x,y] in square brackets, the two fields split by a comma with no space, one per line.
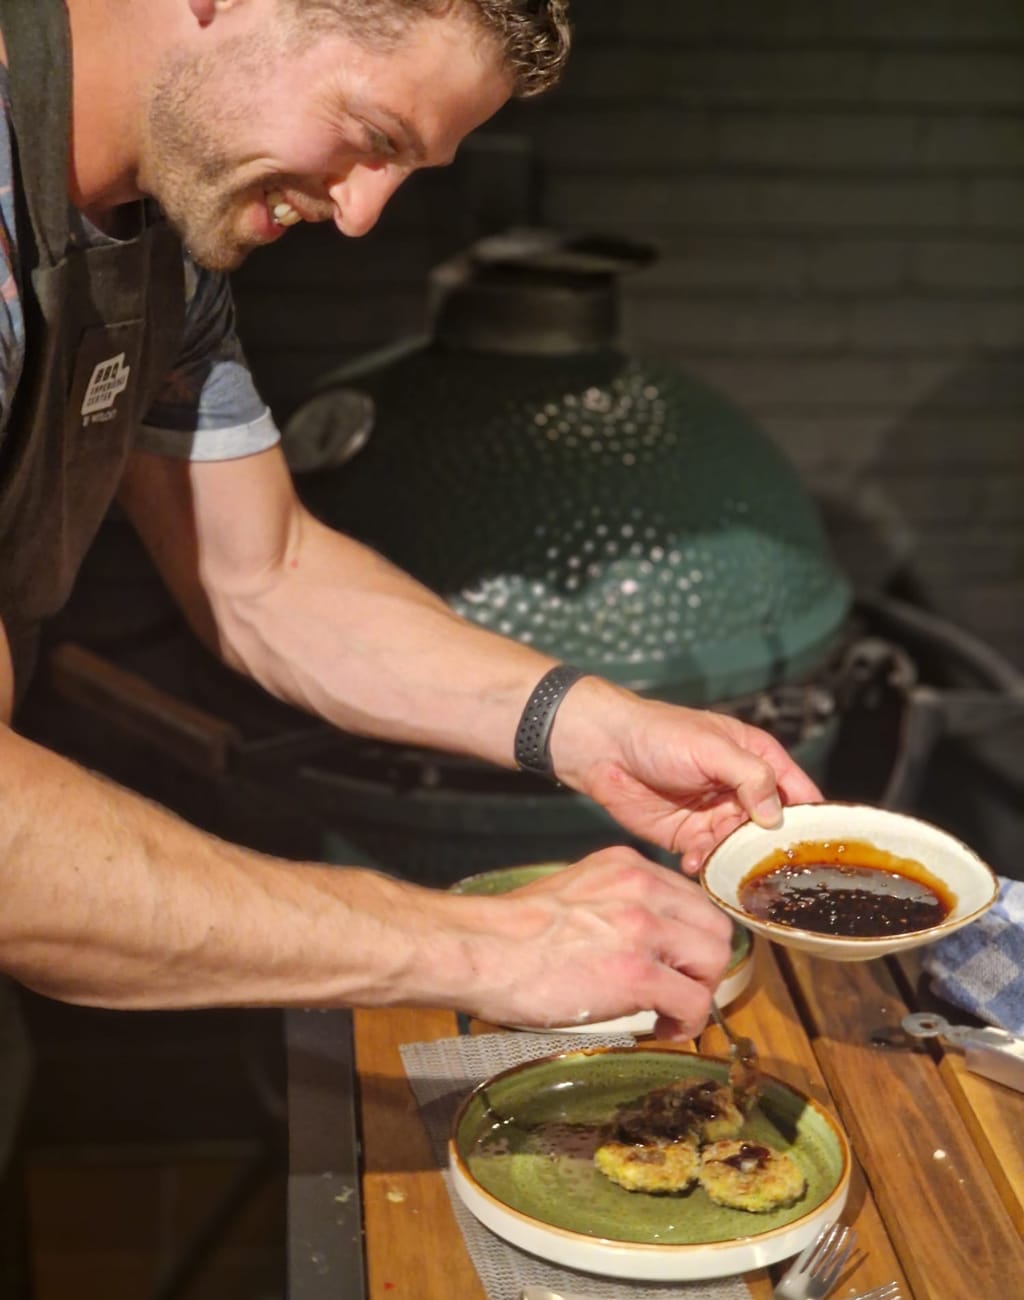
[187,168]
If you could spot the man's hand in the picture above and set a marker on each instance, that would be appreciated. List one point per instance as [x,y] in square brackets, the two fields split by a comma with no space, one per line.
[610,936]
[679,778]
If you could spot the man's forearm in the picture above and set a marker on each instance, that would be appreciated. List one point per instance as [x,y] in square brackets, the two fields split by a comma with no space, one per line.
[325,623]
[349,637]
[319,619]
[109,900]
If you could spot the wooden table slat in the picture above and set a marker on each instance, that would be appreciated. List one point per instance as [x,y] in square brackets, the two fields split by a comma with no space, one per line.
[896,1108]
[414,1249]
[937,1188]
[993,1113]
[398,1185]
[768,1014]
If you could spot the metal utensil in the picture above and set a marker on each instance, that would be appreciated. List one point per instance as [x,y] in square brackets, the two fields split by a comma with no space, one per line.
[744,1074]
[889,1291]
[542,1293]
[813,1273]
[988,1050]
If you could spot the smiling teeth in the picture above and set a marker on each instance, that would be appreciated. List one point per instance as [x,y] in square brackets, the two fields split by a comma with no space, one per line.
[281,210]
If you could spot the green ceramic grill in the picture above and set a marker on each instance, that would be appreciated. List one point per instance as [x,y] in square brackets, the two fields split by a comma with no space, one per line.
[613,511]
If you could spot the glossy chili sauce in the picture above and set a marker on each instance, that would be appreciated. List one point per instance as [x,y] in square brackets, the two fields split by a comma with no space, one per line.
[672,1111]
[845,888]
[750,1157]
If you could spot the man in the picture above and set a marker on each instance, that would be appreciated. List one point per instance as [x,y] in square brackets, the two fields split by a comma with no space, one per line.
[121,375]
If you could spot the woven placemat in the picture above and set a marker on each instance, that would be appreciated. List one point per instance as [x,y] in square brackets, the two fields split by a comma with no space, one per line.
[441,1074]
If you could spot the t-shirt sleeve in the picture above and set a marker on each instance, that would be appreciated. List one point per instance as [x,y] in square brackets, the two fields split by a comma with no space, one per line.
[12,325]
[208,407]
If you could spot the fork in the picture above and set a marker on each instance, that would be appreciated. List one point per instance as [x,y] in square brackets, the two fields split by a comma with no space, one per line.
[743,1063]
[813,1273]
[890,1291]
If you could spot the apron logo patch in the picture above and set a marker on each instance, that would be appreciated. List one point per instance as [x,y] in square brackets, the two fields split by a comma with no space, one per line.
[108,380]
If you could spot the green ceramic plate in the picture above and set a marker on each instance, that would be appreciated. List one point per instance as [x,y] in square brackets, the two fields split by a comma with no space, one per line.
[503,879]
[521,1158]
[735,980]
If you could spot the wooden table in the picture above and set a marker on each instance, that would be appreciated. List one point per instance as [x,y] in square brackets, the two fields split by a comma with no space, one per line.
[937,1195]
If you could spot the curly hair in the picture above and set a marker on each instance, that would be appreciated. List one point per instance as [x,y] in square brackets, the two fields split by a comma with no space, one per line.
[533,36]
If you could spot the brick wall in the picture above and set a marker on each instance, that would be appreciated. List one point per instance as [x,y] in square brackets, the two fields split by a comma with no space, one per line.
[836,188]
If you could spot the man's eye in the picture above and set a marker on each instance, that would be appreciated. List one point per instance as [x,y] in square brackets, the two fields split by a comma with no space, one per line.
[379,144]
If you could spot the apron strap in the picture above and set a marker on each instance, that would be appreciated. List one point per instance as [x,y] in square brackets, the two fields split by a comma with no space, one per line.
[38,39]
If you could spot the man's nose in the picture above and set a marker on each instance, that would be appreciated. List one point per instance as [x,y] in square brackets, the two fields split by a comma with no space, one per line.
[359,197]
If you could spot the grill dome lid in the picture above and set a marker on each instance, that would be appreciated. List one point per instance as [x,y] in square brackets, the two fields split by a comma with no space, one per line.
[610,510]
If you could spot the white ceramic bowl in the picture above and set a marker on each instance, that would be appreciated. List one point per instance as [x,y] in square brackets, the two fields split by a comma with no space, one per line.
[972,884]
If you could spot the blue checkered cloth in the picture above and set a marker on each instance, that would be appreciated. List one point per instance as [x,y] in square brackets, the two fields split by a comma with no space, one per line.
[981,967]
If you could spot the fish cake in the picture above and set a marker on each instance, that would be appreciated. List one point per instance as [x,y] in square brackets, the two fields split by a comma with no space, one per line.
[750,1176]
[650,1166]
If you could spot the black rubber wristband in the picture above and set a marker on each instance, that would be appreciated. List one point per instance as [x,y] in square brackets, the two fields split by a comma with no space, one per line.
[534,731]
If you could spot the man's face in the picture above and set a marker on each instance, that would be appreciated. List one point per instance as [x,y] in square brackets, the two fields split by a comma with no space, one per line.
[251,133]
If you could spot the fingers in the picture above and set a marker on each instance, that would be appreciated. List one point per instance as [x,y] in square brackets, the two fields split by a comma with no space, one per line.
[626,932]
[706,830]
[759,769]
[734,773]
[791,780]
[667,1030]
[698,912]
[689,964]
[699,956]
[753,779]
[756,777]
[697,849]
[683,1007]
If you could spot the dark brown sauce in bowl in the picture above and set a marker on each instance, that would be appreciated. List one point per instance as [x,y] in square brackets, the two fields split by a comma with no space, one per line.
[845,887]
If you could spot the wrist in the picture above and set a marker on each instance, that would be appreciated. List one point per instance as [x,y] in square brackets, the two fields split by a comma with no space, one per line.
[466,962]
[531,748]
[587,730]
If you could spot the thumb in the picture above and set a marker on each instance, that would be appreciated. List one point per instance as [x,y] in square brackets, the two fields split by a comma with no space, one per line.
[752,778]
[762,805]
[757,791]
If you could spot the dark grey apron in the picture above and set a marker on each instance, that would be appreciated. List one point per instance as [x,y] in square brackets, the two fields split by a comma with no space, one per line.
[103,326]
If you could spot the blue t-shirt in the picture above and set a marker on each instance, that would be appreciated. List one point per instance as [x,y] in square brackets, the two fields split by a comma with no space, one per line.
[208,407]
